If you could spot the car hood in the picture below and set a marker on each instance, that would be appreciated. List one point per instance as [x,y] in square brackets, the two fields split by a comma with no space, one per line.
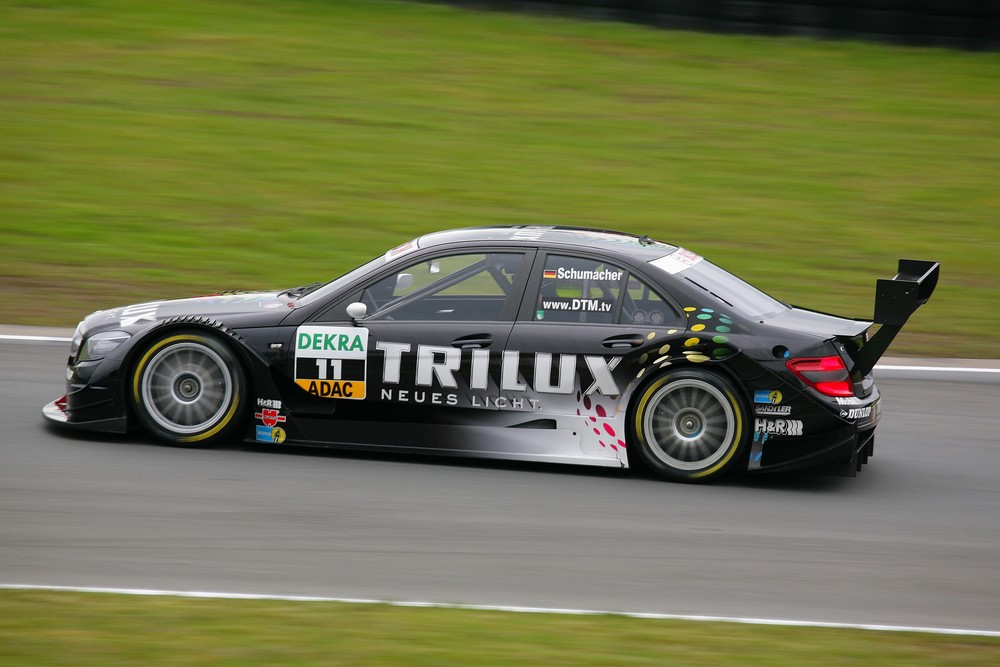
[272,306]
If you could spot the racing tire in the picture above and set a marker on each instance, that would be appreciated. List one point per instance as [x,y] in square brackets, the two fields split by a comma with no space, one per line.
[689,425]
[188,389]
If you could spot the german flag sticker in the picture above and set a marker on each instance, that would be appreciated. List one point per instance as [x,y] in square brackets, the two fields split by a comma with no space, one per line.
[549,274]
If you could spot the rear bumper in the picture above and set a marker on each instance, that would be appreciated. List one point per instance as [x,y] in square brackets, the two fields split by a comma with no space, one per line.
[847,451]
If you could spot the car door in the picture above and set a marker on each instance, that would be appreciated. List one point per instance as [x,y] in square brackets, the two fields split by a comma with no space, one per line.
[423,361]
[583,322]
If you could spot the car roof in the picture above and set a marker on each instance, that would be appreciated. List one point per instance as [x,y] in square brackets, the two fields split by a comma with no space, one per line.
[619,243]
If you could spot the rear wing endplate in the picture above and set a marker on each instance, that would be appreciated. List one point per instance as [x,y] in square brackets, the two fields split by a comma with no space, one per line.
[895,301]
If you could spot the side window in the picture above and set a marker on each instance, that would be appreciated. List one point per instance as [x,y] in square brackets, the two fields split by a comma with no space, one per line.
[469,287]
[576,289]
[644,306]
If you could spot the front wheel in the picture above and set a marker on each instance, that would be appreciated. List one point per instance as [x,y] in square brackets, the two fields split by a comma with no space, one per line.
[689,425]
[188,388]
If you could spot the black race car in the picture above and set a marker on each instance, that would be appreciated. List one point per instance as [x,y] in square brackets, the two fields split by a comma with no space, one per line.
[536,343]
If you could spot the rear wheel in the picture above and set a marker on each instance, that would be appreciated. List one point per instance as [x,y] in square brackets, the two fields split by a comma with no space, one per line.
[689,425]
[188,388]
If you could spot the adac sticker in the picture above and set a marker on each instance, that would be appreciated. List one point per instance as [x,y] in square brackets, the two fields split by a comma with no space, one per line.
[332,362]
[772,396]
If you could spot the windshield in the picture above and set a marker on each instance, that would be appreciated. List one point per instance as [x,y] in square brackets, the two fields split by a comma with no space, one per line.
[337,283]
[724,286]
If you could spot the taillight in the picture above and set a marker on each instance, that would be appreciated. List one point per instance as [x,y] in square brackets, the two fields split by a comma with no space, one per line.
[827,375]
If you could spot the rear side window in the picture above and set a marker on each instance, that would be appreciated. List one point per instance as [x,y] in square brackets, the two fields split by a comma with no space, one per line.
[642,305]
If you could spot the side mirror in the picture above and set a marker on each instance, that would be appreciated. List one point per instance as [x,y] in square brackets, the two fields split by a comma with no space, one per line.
[403,281]
[356,311]
[435,267]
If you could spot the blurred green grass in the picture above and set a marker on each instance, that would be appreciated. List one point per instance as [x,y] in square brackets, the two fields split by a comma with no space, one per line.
[152,150]
[58,628]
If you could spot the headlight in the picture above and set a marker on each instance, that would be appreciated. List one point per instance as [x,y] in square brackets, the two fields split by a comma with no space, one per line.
[77,339]
[100,345]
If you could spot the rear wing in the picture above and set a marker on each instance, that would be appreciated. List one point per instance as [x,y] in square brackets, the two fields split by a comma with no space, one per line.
[895,301]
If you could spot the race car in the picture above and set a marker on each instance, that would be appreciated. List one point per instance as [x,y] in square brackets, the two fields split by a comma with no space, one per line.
[554,344]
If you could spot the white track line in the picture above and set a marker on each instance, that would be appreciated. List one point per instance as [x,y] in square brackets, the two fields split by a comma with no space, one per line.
[35,339]
[879,367]
[943,369]
[506,608]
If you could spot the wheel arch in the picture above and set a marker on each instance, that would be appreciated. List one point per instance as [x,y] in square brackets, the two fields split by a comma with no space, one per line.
[177,325]
[732,384]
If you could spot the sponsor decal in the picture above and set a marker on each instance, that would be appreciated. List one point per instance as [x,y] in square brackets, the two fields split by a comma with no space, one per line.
[578,274]
[778,426]
[579,305]
[141,312]
[768,409]
[417,396]
[269,403]
[677,261]
[270,434]
[857,413]
[756,452]
[442,366]
[539,314]
[848,400]
[771,396]
[549,274]
[401,250]
[530,233]
[270,417]
[222,297]
[332,362]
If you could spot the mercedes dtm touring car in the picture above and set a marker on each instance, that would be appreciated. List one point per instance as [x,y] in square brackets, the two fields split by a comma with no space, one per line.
[554,344]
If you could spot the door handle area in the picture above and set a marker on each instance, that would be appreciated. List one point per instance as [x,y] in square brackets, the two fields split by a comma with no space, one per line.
[473,342]
[626,340]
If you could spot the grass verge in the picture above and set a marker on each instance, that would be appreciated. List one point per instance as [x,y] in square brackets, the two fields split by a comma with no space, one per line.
[52,628]
[158,149]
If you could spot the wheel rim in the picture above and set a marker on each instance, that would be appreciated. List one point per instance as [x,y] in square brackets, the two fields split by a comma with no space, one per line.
[689,424]
[187,388]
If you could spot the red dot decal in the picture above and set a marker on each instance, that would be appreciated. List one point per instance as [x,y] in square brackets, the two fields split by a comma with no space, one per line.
[611,431]
[596,432]
[593,419]
[600,411]
[614,448]
[602,443]
[586,402]
[621,442]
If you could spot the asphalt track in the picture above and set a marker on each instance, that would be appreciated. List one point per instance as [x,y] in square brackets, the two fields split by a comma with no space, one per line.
[913,540]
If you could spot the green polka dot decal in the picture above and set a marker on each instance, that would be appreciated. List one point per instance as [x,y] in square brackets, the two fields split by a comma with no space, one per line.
[708,345]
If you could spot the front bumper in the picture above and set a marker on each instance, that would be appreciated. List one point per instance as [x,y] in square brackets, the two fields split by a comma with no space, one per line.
[89,406]
[57,413]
